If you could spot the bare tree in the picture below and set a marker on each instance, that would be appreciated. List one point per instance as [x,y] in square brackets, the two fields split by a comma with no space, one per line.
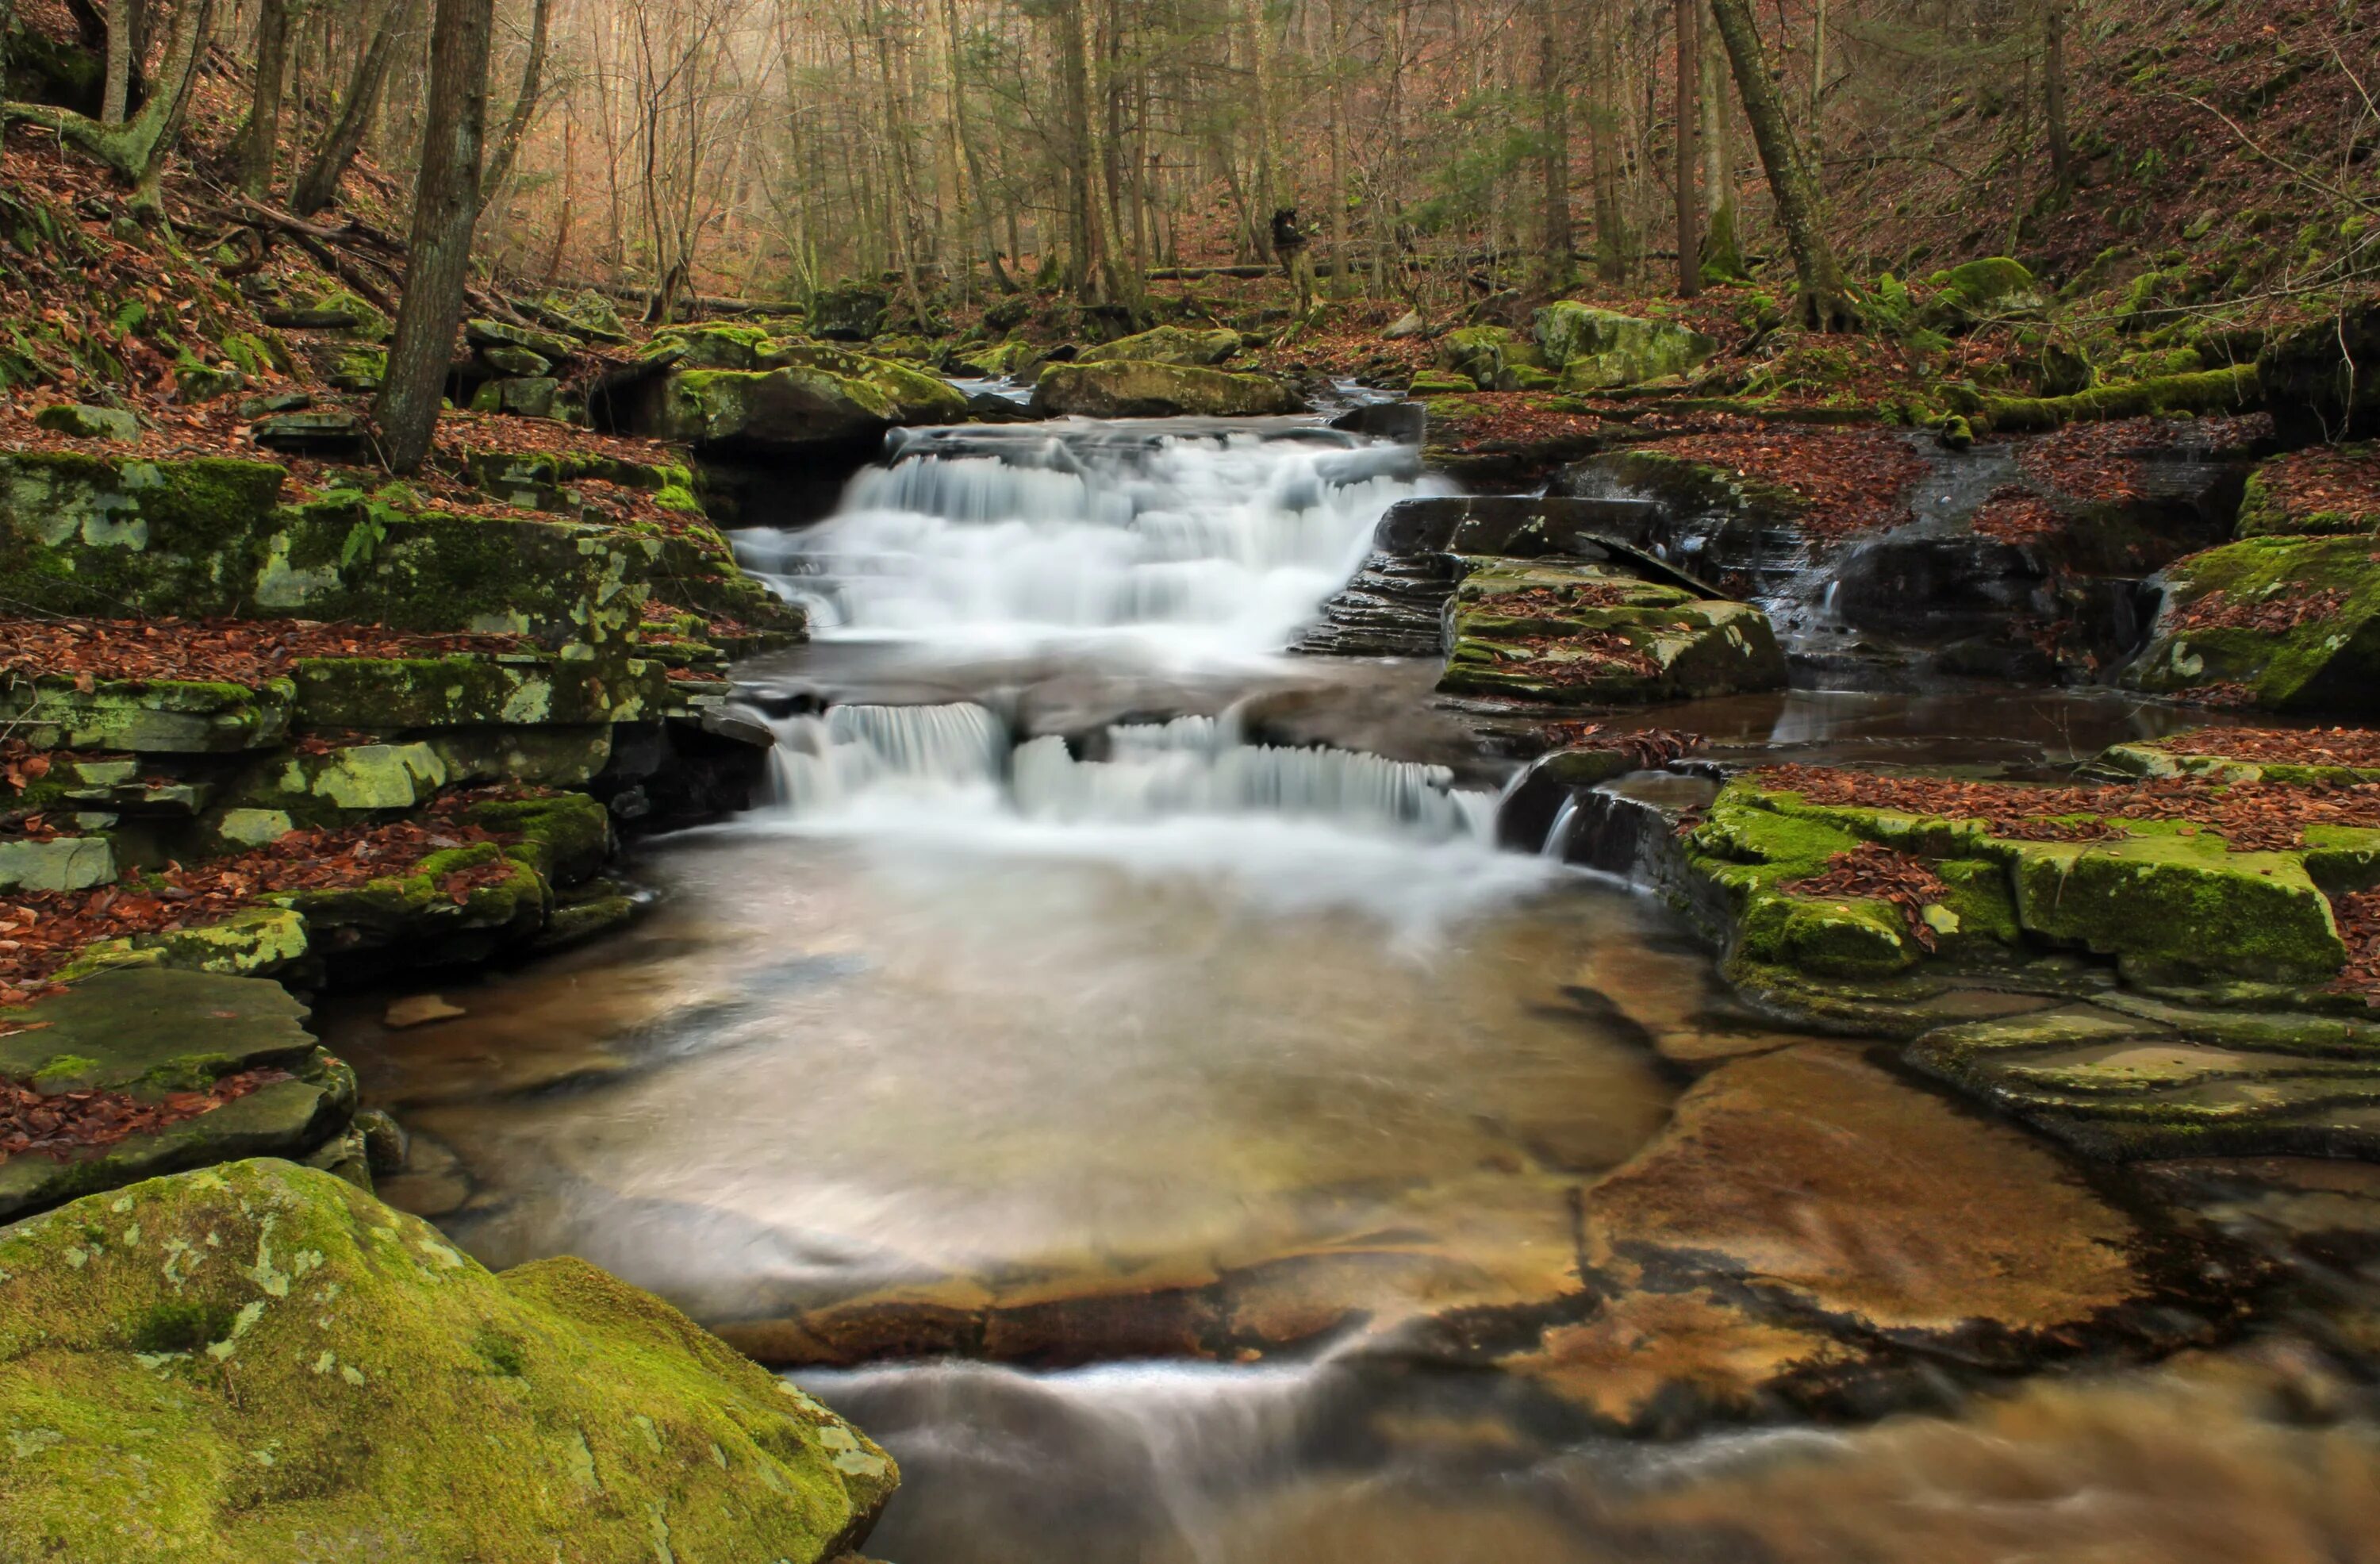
[1825,302]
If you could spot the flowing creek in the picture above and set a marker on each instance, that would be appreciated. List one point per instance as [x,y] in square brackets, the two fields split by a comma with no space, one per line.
[1119,1049]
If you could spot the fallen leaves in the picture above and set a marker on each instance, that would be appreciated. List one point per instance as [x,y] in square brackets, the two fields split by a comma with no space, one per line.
[2356,746]
[2358,917]
[2343,486]
[60,1124]
[2273,615]
[1851,480]
[2247,816]
[44,931]
[1870,872]
[1651,748]
[245,651]
[2014,514]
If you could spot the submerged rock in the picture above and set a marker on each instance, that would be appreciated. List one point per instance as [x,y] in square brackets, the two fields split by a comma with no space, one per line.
[1147,388]
[262,1364]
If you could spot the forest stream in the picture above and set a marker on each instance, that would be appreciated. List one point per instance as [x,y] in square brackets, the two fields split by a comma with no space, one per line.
[1128,1070]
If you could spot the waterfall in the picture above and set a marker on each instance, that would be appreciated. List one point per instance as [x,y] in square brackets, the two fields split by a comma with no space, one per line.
[859,757]
[1201,542]
[824,763]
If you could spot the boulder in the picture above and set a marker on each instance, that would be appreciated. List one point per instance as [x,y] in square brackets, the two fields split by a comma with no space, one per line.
[259,1364]
[2286,624]
[2325,491]
[1168,344]
[2318,381]
[489,335]
[1144,389]
[852,313]
[152,1034]
[89,423]
[1995,287]
[1601,351]
[830,399]
[1578,634]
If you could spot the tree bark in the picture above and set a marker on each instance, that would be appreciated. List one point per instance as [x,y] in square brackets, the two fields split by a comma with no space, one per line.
[260,138]
[2061,149]
[1826,303]
[123,26]
[319,185]
[1689,250]
[1722,250]
[1614,244]
[445,210]
[1555,269]
[523,111]
[135,150]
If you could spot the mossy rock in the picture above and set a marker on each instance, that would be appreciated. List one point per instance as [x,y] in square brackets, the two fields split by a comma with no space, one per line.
[492,336]
[567,838]
[1995,287]
[852,313]
[84,536]
[2160,897]
[158,716]
[1169,345]
[85,423]
[150,1030]
[801,406]
[259,1363]
[2317,380]
[1747,852]
[1144,389]
[1440,383]
[408,694]
[713,346]
[62,863]
[1577,635]
[1601,350]
[2266,511]
[2329,661]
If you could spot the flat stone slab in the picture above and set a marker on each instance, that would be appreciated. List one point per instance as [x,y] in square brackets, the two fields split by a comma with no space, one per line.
[148,1032]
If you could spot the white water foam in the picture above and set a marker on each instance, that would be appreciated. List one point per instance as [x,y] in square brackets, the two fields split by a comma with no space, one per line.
[1193,547]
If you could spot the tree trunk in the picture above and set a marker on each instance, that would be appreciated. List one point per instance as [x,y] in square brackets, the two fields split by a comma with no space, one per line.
[1613,242]
[260,138]
[2061,149]
[524,111]
[319,185]
[135,150]
[446,209]
[1555,243]
[1689,250]
[123,25]
[1722,250]
[1825,302]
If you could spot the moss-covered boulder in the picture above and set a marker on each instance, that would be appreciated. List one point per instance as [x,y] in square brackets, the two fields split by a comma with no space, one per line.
[830,398]
[1146,388]
[1596,349]
[852,313]
[2325,492]
[1583,635]
[80,535]
[407,695]
[2285,624]
[2164,897]
[2317,380]
[156,1034]
[61,863]
[156,716]
[85,423]
[1168,344]
[1995,287]
[262,1364]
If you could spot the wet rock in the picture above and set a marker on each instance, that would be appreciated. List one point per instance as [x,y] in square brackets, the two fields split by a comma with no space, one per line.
[1143,388]
[825,397]
[2317,381]
[151,1032]
[253,1377]
[2287,624]
[1580,635]
[1805,1225]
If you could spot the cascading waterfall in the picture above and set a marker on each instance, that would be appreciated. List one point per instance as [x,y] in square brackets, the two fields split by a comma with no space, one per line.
[859,757]
[1197,542]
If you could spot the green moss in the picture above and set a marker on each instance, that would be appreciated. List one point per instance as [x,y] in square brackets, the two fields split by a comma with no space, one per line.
[2213,391]
[1169,345]
[1541,631]
[1599,350]
[345,1379]
[2165,898]
[1142,388]
[86,535]
[2331,662]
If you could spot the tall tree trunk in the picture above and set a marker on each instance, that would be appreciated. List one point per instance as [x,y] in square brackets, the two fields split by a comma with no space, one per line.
[138,149]
[1689,250]
[1555,241]
[319,185]
[2061,149]
[260,138]
[1722,250]
[1613,243]
[446,209]
[123,28]
[1086,266]
[1826,303]
[524,111]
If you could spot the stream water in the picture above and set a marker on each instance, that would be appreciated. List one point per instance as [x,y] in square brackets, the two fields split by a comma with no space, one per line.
[1092,1092]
